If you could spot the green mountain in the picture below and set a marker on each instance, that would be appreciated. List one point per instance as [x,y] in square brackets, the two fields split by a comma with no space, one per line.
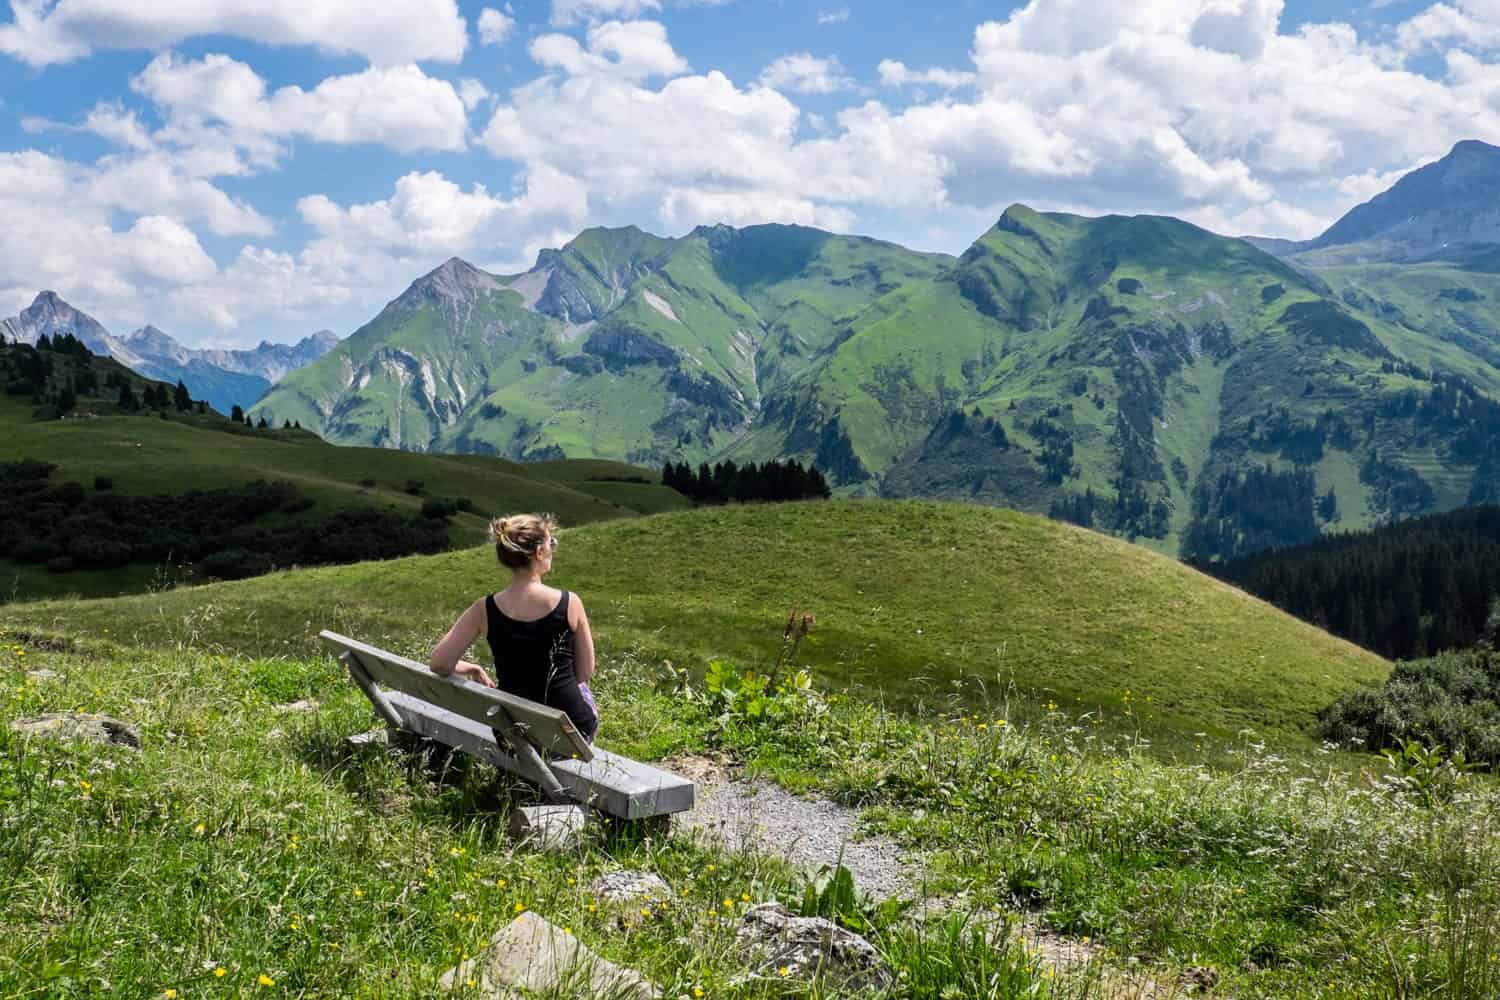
[1138,375]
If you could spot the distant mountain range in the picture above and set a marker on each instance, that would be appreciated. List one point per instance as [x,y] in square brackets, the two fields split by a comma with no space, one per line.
[1140,375]
[224,378]
[1447,209]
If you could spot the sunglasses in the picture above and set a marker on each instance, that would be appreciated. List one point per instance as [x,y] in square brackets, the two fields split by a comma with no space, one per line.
[552,543]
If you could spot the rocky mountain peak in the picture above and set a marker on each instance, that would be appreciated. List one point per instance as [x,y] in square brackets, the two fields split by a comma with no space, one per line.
[151,338]
[50,314]
[1448,204]
[454,280]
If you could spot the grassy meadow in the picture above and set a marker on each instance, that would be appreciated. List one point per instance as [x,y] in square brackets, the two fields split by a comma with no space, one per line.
[247,851]
[922,603]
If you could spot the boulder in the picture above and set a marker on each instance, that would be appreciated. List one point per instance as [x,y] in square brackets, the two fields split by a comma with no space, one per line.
[76,726]
[631,895]
[549,828]
[773,939]
[631,886]
[534,957]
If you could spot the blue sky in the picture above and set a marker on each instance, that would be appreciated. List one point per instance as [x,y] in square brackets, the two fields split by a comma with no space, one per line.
[242,171]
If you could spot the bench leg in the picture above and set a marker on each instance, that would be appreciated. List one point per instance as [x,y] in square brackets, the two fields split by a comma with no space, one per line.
[530,760]
[367,684]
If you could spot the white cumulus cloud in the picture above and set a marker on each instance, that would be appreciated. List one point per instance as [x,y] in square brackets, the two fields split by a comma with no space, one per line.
[566,12]
[495,27]
[45,32]
[804,73]
[219,97]
[896,74]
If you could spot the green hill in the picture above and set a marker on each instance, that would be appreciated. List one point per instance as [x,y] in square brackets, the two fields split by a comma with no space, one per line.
[942,603]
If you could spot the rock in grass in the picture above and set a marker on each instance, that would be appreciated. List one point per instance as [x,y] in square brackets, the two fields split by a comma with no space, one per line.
[631,895]
[1198,978]
[631,886]
[549,828]
[79,726]
[534,955]
[304,705]
[773,939]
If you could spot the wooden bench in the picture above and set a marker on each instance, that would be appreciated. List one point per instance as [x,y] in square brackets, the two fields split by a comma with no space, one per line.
[534,741]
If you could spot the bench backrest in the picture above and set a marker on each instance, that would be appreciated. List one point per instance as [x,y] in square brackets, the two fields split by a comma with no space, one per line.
[545,728]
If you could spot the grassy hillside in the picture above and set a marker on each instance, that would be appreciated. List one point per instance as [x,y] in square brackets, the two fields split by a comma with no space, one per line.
[922,602]
[146,455]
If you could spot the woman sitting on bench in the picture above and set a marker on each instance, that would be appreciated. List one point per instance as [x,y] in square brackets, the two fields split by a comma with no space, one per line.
[539,635]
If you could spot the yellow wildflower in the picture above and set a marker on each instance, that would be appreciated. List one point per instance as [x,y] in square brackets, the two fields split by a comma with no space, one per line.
[265,980]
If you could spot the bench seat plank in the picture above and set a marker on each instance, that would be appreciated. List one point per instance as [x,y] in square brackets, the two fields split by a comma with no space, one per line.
[610,783]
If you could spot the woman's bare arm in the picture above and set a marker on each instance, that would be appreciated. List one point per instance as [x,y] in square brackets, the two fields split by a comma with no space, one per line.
[447,654]
[583,642]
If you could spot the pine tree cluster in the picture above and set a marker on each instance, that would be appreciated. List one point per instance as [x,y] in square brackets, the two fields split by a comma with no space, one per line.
[726,481]
[1403,590]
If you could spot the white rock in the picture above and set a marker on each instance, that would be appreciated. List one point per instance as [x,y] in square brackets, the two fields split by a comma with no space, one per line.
[80,726]
[549,828]
[532,954]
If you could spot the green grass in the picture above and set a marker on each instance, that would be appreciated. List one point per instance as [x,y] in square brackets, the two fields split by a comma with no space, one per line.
[918,602]
[257,843]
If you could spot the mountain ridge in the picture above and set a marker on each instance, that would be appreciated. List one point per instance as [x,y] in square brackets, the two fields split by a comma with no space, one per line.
[1128,372]
[224,378]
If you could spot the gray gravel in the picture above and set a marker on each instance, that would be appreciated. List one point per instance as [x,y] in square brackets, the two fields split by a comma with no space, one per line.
[761,817]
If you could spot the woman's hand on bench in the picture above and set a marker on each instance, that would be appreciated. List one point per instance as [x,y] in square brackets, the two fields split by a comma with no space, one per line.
[472,672]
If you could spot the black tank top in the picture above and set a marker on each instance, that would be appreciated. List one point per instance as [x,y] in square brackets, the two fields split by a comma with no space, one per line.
[534,659]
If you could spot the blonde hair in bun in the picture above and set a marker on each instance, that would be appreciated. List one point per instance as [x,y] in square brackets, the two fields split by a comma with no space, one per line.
[518,536]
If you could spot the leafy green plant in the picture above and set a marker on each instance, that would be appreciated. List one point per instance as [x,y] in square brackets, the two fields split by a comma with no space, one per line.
[1424,772]
[832,894]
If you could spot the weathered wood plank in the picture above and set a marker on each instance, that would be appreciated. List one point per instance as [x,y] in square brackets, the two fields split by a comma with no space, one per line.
[370,688]
[548,729]
[610,783]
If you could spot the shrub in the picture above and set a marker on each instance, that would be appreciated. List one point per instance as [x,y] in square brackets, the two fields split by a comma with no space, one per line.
[234,564]
[36,550]
[414,487]
[368,482]
[1452,700]
[102,483]
[439,507]
[61,564]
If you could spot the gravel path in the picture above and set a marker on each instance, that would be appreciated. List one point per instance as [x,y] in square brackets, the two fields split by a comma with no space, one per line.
[810,833]
[761,817]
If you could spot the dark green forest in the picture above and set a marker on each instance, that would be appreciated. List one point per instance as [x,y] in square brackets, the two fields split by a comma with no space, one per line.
[225,533]
[726,481]
[1404,590]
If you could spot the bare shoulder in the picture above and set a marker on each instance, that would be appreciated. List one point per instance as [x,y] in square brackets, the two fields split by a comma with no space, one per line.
[576,613]
[476,615]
